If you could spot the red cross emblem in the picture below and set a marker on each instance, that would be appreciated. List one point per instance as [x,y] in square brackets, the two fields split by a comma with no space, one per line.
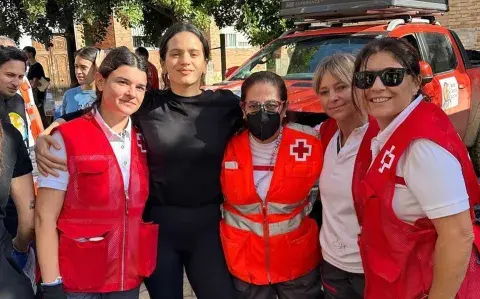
[387,156]
[141,143]
[301,150]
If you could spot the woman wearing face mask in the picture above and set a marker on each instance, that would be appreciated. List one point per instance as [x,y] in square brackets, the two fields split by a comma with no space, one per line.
[419,192]
[102,249]
[84,95]
[268,171]
[341,135]
[186,130]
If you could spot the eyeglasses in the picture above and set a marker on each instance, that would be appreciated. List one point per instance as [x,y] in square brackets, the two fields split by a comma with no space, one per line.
[268,106]
[390,77]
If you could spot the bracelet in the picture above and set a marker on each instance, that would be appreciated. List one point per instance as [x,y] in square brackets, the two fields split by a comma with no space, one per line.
[18,250]
[57,281]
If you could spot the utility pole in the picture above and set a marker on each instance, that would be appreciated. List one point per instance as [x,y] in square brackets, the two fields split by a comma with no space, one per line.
[223,55]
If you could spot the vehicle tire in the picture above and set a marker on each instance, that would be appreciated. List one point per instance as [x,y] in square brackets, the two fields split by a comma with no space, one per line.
[474,152]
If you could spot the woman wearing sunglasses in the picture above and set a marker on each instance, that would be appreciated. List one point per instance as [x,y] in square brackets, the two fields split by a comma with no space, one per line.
[417,233]
[268,172]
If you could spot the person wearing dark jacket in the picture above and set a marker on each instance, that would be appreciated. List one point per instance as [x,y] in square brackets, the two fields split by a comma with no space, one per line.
[15,179]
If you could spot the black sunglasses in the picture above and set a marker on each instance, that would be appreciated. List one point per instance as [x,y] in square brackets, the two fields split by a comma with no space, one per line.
[390,77]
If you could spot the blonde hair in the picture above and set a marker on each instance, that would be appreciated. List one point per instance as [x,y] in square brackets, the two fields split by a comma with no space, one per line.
[340,65]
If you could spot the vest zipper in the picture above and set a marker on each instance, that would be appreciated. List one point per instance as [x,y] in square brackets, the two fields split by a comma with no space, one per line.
[266,236]
[124,239]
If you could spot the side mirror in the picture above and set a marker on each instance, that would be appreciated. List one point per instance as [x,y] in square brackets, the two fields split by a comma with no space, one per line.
[230,71]
[426,72]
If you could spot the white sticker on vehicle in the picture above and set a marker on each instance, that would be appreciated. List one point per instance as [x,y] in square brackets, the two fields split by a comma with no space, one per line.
[449,93]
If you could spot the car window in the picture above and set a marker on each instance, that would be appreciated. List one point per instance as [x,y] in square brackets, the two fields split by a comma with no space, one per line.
[412,41]
[440,54]
[297,58]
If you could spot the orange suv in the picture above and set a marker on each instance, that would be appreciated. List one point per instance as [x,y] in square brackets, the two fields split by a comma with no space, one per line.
[451,74]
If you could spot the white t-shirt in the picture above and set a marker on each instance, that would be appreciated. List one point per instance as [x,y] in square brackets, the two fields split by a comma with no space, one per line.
[340,228]
[120,143]
[435,186]
[262,162]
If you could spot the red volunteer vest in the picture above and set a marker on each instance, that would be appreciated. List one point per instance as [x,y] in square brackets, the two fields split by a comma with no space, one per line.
[398,257]
[96,206]
[328,128]
[271,241]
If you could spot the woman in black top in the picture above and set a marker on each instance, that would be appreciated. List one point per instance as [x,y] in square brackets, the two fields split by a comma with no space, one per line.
[186,130]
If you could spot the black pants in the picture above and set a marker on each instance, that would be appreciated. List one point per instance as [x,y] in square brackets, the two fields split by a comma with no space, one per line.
[339,284]
[13,283]
[190,238]
[131,294]
[308,286]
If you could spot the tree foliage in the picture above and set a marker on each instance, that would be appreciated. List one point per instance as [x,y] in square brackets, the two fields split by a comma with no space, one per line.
[259,20]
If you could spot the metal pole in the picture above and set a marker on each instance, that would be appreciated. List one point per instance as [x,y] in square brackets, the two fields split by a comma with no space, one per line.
[223,55]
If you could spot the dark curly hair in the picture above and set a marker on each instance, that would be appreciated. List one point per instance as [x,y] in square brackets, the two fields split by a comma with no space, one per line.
[12,53]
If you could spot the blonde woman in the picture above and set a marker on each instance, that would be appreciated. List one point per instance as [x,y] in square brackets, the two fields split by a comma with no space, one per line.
[342,271]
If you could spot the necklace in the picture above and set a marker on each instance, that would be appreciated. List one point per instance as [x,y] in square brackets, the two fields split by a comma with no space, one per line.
[272,158]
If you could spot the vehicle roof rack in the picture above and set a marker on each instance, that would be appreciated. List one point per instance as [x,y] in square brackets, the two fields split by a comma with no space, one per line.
[377,16]
[423,20]
[312,24]
[355,10]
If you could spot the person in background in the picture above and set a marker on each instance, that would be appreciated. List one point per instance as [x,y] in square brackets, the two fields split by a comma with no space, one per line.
[270,243]
[35,75]
[23,107]
[186,131]
[91,240]
[153,82]
[19,110]
[15,180]
[341,135]
[82,96]
[420,194]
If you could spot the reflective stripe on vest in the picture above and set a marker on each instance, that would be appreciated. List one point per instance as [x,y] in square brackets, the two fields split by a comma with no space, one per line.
[277,208]
[277,228]
[273,208]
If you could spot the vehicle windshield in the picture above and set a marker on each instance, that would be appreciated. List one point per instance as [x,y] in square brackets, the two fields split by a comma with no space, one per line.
[296,58]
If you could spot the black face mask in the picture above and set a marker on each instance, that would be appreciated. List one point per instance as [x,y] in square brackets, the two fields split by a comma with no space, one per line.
[263,125]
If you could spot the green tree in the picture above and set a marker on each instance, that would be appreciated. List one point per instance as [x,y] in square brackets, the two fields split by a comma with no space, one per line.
[259,20]
[39,18]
